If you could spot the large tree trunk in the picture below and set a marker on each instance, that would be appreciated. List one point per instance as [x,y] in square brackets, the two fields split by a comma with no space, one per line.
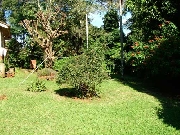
[48,55]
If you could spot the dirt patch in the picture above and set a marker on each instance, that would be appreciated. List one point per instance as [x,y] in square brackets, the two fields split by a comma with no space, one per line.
[48,77]
[82,99]
[3,97]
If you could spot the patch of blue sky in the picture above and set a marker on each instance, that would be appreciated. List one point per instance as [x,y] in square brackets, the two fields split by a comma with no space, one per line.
[97,20]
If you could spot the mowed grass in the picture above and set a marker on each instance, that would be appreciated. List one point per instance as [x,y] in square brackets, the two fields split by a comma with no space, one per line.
[121,110]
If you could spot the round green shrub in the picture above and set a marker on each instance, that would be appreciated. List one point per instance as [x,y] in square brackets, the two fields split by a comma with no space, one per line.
[84,72]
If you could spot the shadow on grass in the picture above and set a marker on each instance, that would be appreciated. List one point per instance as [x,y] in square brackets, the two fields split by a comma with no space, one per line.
[170,101]
[66,92]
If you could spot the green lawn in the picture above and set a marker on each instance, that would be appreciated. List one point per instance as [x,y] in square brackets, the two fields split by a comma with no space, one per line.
[123,109]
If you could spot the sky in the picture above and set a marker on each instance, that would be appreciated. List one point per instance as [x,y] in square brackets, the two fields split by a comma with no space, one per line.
[97,20]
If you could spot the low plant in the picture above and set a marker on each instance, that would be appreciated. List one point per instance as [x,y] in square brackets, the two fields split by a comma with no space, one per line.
[84,72]
[46,72]
[37,86]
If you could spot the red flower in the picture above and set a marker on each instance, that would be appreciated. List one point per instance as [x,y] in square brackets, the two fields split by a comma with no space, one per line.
[150,41]
[160,25]
[167,22]
[156,38]
[136,44]
[146,46]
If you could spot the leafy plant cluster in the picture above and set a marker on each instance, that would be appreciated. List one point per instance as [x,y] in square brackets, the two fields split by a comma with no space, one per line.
[37,86]
[159,56]
[84,72]
[59,63]
[19,55]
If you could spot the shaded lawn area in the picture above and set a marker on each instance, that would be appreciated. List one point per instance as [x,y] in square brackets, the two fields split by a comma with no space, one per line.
[124,108]
[166,94]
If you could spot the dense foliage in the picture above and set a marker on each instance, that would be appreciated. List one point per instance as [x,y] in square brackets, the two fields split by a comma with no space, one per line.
[111,20]
[19,54]
[152,48]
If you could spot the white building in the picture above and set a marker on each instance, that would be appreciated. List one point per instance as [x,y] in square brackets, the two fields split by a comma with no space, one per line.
[4,35]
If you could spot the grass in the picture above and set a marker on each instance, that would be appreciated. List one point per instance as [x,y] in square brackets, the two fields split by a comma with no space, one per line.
[123,109]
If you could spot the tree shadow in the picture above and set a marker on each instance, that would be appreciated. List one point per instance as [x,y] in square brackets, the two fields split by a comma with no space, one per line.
[170,111]
[67,92]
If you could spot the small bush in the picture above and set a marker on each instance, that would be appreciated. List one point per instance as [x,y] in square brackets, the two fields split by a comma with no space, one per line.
[46,72]
[84,72]
[37,86]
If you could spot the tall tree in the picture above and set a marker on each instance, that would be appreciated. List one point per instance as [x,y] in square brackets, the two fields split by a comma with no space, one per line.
[75,41]
[2,13]
[44,21]
[111,20]
[48,25]
[147,15]
[118,4]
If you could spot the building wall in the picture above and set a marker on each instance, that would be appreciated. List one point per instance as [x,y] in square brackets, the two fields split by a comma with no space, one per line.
[0,38]
[1,46]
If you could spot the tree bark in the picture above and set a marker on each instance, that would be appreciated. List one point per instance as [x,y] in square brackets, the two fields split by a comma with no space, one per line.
[48,55]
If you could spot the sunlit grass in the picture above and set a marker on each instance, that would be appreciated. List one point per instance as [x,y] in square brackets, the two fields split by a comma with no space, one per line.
[120,110]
